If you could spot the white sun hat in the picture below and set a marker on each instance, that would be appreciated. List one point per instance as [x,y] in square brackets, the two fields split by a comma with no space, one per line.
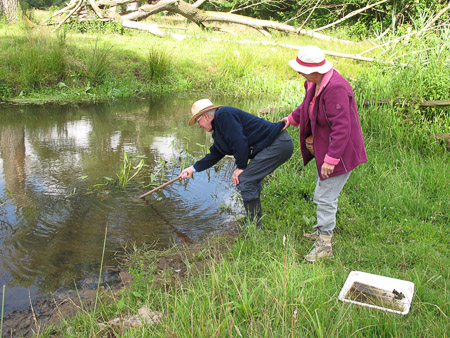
[310,59]
[199,107]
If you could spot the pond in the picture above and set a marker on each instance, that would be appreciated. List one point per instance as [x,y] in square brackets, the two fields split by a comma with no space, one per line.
[60,168]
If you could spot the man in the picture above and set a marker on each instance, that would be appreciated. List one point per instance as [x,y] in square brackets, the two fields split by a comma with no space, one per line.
[246,137]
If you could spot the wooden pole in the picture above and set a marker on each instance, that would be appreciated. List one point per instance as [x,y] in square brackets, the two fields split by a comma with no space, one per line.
[160,187]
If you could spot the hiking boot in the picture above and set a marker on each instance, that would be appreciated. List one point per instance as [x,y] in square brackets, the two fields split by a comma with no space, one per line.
[312,236]
[322,248]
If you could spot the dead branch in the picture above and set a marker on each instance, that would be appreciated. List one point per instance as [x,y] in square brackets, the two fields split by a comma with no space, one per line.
[153,29]
[349,16]
[111,3]
[76,8]
[201,17]
[96,8]
[310,13]
[198,3]
[190,12]
[273,43]
[342,55]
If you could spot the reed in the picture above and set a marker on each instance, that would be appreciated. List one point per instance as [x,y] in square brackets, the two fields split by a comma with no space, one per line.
[3,309]
[100,273]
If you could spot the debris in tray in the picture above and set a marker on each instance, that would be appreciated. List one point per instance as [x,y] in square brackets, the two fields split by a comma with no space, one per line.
[363,293]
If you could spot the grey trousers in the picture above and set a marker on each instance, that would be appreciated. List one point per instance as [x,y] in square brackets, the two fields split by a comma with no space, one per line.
[326,198]
[264,163]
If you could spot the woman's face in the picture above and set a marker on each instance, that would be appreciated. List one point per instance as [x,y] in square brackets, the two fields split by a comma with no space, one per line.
[313,77]
[308,77]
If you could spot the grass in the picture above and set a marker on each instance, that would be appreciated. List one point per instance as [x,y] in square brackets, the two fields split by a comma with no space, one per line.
[393,212]
[95,65]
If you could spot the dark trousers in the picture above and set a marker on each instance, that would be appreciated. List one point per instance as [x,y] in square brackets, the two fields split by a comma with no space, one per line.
[264,163]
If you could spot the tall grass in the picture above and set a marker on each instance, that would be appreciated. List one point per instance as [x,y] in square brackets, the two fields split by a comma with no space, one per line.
[32,61]
[98,64]
[158,64]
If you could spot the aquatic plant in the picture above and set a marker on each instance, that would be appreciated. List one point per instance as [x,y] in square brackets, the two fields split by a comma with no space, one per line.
[125,175]
[100,273]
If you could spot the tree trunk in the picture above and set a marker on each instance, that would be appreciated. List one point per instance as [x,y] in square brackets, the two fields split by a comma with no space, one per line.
[10,9]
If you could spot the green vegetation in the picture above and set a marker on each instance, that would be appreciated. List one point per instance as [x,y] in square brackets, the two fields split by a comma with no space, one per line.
[393,213]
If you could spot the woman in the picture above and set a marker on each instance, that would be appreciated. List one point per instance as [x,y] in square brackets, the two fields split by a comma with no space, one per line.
[330,132]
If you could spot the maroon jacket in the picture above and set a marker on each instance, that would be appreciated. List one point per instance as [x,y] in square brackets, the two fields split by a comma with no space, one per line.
[334,124]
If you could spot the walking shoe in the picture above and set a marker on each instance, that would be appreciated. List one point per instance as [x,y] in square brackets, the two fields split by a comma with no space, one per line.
[312,236]
[322,248]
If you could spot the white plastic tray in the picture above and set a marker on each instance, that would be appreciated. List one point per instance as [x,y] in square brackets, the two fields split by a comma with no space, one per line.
[381,282]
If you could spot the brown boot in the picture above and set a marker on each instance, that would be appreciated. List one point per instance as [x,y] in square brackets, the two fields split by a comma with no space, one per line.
[322,248]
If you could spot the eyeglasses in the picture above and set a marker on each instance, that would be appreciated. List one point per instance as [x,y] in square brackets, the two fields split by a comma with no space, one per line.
[199,118]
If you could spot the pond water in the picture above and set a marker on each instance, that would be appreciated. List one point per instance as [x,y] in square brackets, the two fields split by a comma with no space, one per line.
[59,168]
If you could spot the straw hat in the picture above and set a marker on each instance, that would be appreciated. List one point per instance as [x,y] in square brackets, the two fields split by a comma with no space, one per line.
[199,107]
[310,59]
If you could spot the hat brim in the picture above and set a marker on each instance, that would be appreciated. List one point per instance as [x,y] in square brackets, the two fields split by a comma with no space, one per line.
[308,70]
[194,117]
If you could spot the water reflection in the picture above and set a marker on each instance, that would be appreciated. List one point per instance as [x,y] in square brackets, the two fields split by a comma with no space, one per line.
[56,167]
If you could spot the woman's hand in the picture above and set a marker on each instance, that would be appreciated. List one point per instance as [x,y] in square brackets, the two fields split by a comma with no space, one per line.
[235,177]
[327,169]
[186,173]
[286,122]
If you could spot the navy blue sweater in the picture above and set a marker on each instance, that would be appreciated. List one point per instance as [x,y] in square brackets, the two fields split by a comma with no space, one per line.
[238,133]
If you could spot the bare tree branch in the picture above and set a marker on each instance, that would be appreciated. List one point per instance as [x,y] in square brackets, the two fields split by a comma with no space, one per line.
[349,15]
[76,8]
[96,8]
[153,29]
[198,3]
[310,13]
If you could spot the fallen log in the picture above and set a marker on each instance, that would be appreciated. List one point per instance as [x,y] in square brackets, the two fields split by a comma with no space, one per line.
[432,103]
[446,138]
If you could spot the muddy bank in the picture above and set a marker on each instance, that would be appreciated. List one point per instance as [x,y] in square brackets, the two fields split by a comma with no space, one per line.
[66,303]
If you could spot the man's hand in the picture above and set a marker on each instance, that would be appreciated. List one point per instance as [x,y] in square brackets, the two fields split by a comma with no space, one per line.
[327,169]
[186,173]
[286,122]
[235,176]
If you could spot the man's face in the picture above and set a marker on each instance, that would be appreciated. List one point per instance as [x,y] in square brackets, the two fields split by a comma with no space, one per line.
[204,121]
